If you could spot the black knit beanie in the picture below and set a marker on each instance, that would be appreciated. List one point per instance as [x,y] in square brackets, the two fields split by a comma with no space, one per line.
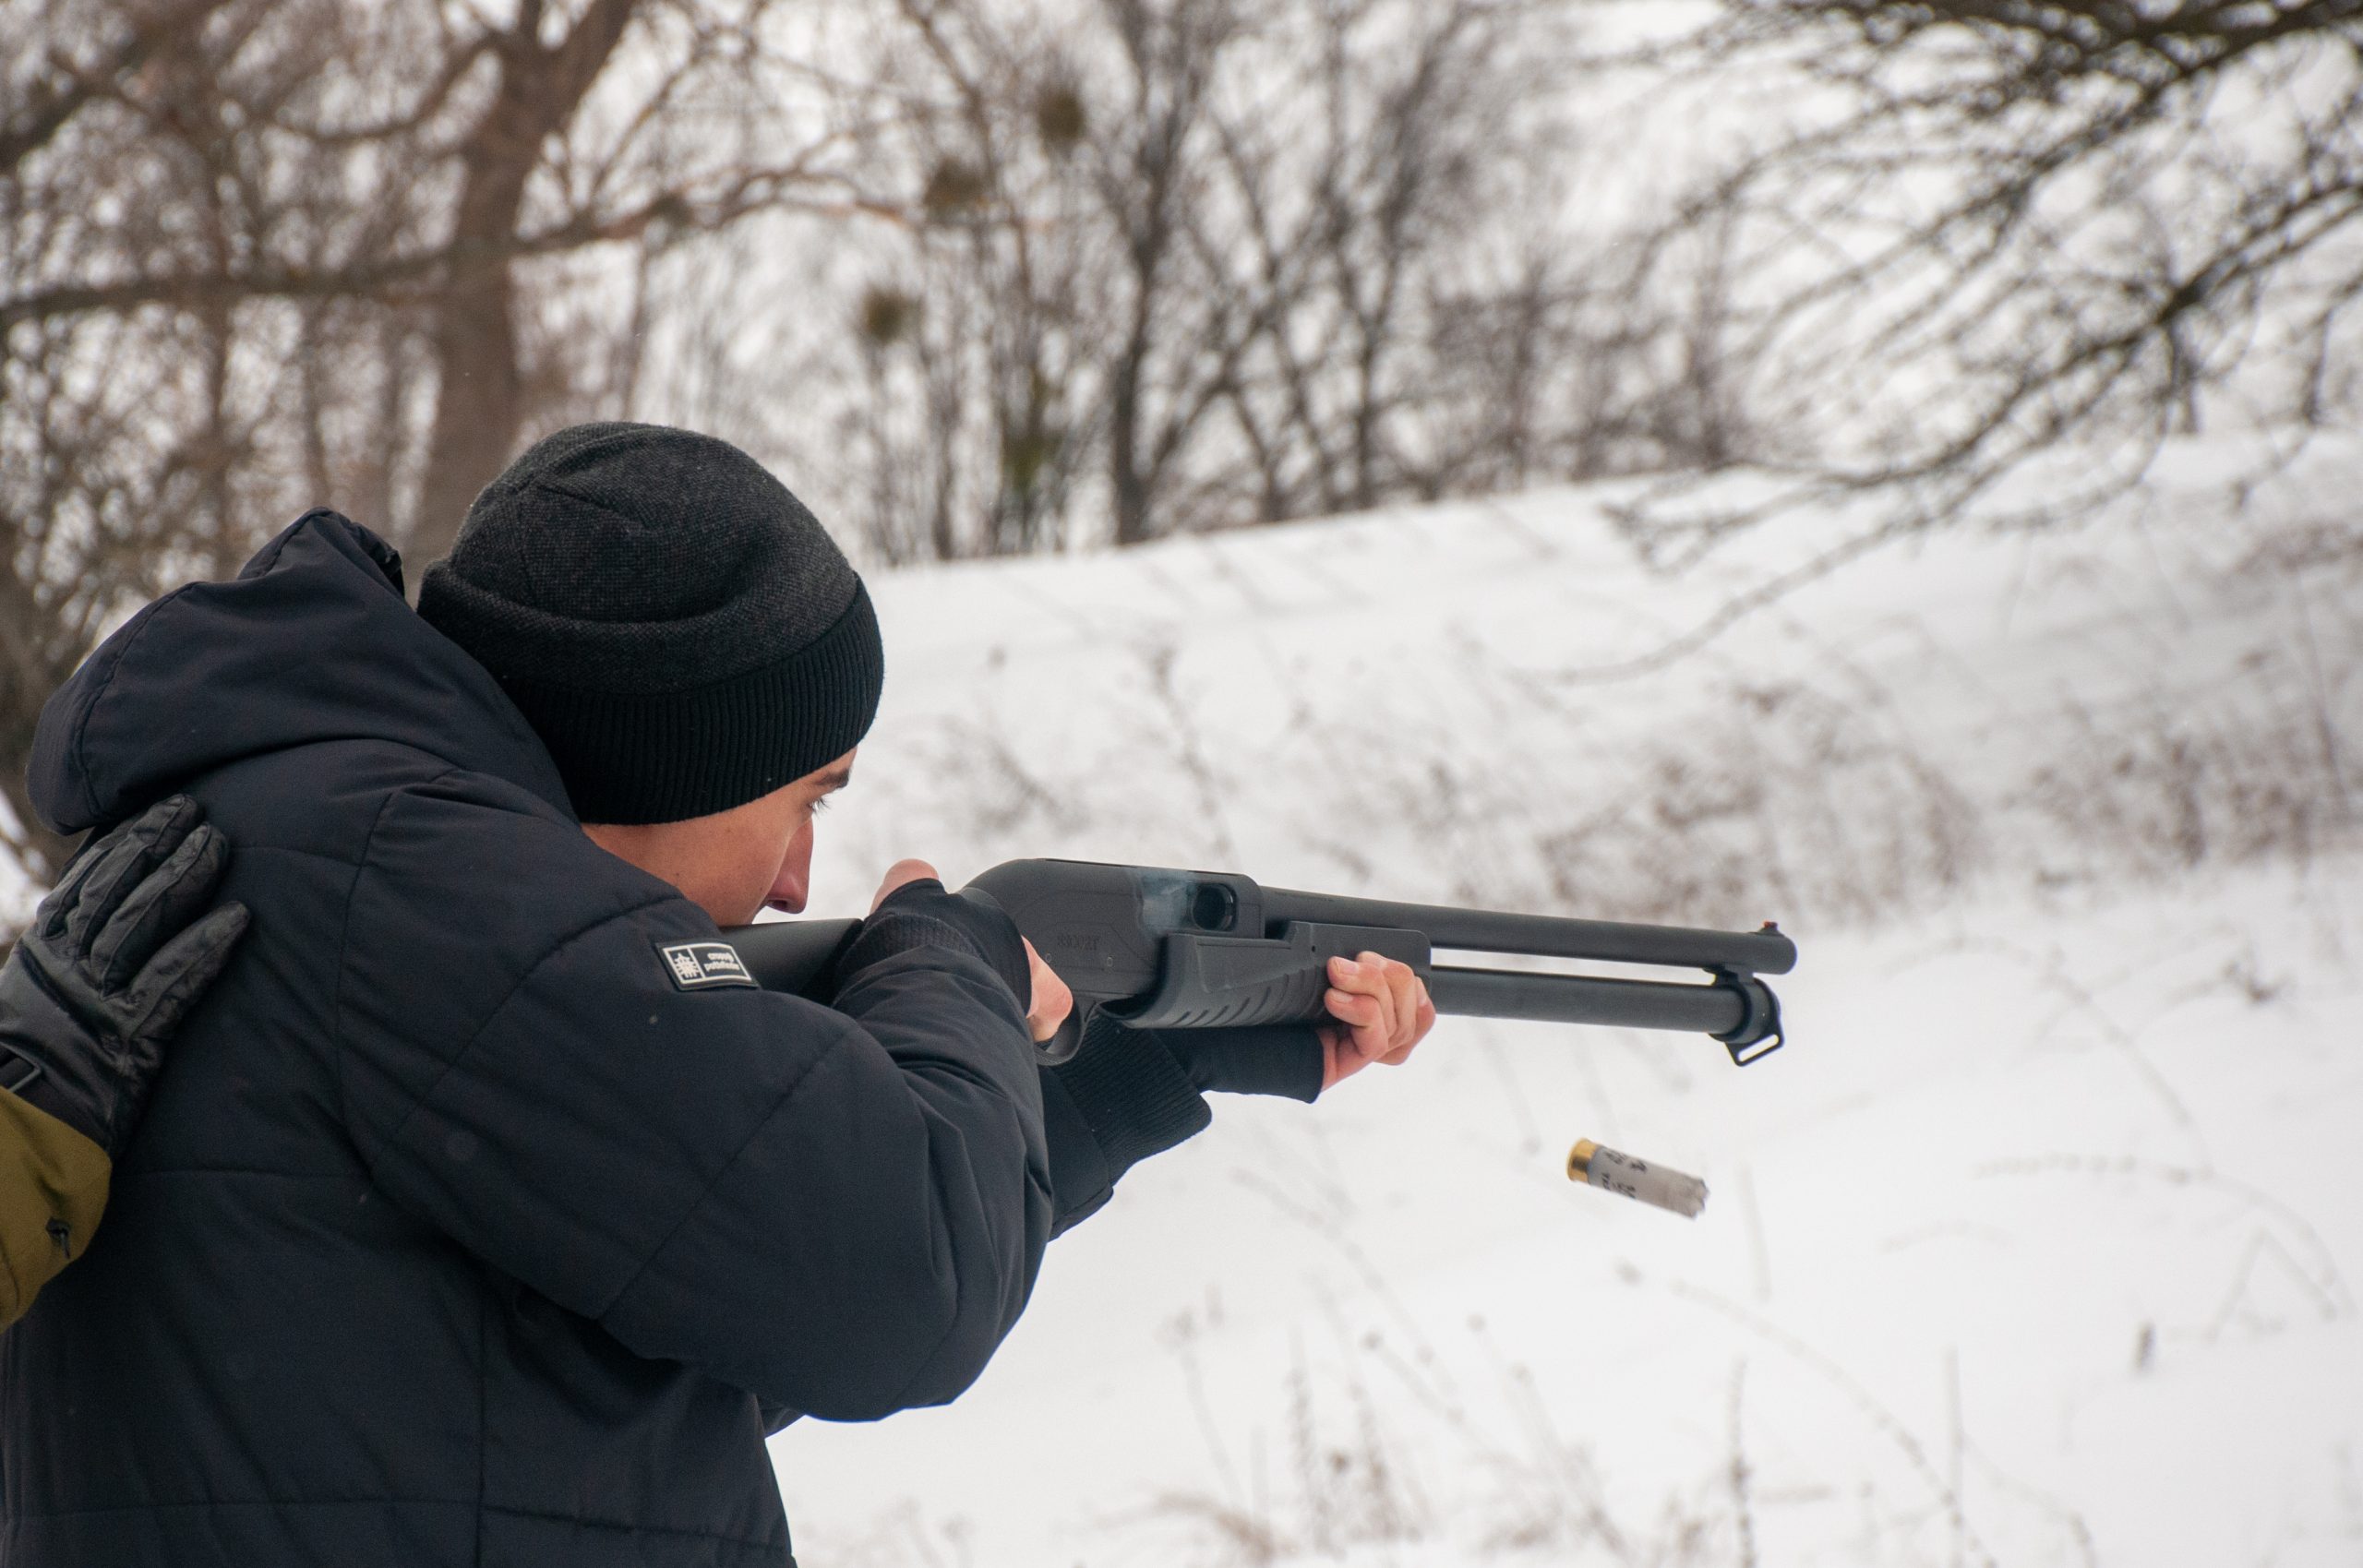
[676,626]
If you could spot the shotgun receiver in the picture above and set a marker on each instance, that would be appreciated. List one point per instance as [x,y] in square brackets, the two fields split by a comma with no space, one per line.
[1176,950]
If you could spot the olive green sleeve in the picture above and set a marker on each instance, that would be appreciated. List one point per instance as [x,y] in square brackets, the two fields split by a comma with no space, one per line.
[53,1189]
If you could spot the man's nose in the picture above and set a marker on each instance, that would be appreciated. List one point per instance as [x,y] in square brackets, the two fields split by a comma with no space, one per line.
[791,886]
[794,883]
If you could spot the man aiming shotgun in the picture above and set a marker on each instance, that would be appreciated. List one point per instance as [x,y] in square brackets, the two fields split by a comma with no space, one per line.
[491,1212]
[465,1226]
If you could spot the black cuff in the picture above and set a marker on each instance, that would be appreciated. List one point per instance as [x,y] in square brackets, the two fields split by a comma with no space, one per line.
[1080,1182]
[921,915]
[1130,1097]
[1285,1059]
[47,1054]
[41,1093]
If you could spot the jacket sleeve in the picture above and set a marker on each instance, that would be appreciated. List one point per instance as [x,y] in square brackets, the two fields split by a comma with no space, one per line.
[53,1190]
[1129,1094]
[841,1211]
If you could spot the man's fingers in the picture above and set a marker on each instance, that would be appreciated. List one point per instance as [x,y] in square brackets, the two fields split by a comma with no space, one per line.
[120,861]
[1404,992]
[1357,977]
[1385,1009]
[1388,982]
[178,977]
[902,874]
[1424,1018]
[1360,1011]
[173,896]
[1052,999]
[1383,1012]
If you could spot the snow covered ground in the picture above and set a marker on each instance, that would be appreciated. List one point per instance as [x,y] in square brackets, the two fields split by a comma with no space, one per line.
[2040,1244]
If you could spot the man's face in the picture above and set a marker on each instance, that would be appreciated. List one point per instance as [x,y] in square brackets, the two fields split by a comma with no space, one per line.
[737,862]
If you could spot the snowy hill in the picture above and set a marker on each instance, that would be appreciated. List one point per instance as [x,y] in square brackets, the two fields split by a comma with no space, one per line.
[2040,1244]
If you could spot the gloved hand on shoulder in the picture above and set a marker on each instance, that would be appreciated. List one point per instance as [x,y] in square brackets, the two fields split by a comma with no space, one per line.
[116,956]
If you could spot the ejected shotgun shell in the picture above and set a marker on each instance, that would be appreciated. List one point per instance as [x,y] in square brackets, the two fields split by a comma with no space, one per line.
[1588,1162]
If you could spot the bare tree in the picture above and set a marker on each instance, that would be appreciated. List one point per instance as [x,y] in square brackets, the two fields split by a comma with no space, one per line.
[1996,230]
[973,322]
[1364,195]
[1015,277]
[1164,265]
[260,254]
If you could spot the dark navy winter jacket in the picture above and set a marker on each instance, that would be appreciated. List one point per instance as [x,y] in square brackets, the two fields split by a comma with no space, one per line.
[460,1232]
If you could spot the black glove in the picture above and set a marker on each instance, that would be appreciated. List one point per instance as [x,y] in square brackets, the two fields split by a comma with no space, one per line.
[106,973]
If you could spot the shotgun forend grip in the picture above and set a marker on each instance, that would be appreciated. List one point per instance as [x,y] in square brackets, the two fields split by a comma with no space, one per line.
[1222,982]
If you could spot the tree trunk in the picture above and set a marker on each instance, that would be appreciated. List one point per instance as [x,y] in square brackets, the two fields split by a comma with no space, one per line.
[478,399]
[1125,478]
[479,396]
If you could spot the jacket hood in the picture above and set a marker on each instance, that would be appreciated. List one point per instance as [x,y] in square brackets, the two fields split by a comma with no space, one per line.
[313,642]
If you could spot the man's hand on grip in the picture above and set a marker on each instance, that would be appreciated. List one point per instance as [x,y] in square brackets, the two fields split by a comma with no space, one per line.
[1048,1001]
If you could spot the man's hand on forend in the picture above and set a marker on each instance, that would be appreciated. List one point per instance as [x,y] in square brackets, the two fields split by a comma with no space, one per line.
[1381,1010]
[111,966]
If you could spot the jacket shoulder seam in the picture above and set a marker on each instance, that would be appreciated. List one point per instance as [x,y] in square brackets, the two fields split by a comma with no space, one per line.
[524,977]
[344,941]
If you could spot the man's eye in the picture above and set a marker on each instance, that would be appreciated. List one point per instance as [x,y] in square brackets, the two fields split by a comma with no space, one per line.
[819,804]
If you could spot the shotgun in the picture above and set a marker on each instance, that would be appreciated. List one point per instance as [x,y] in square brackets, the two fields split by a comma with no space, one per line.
[1159,949]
